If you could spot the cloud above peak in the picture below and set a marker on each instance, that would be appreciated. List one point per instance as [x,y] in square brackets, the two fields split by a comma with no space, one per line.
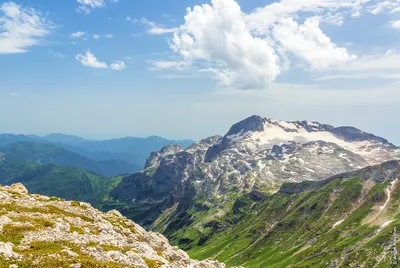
[21,27]
[249,51]
[307,41]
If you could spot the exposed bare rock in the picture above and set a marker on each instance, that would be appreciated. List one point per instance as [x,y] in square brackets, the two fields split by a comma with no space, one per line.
[41,232]
[19,188]
[256,154]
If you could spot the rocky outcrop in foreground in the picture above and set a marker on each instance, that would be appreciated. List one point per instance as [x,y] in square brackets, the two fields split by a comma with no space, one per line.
[40,231]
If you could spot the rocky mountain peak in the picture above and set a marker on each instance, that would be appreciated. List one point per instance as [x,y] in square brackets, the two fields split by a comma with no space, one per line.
[169,149]
[252,123]
[39,231]
[256,154]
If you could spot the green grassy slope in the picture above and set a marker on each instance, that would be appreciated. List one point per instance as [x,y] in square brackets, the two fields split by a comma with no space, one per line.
[339,223]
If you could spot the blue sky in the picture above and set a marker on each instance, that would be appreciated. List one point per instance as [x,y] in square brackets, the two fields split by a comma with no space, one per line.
[190,69]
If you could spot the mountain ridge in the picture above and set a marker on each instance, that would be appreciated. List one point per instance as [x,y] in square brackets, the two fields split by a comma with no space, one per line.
[257,154]
[348,220]
[39,231]
[131,150]
[43,153]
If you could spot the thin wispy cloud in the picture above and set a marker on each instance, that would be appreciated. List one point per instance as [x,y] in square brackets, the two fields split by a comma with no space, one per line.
[86,6]
[98,36]
[165,65]
[77,34]
[153,28]
[21,27]
[56,54]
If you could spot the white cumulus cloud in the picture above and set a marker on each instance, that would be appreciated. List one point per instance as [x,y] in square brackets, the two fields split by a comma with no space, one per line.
[118,65]
[395,24]
[250,50]
[20,28]
[218,34]
[89,60]
[307,41]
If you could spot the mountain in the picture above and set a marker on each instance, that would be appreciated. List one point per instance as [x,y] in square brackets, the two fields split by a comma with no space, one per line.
[198,184]
[349,220]
[62,138]
[130,150]
[7,139]
[51,154]
[38,231]
[66,182]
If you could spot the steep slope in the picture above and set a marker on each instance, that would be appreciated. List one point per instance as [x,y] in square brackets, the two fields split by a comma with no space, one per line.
[51,154]
[256,154]
[350,220]
[37,231]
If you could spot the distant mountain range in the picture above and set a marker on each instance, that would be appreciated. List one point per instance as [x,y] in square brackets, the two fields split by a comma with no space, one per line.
[43,153]
[108,157]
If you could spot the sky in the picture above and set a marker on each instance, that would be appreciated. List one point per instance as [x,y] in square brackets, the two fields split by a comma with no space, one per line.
[190,69]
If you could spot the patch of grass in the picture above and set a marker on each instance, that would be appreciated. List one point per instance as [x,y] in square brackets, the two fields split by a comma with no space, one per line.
[15,233]
[152,263]
[77,229]
[49,209]
[38,255]
[75,204]
[55,210]
[36,221]
[121,223]
[116,248]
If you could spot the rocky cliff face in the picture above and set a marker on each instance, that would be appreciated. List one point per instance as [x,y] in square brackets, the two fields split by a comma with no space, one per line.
[349,220]
[38,231]
[257,154]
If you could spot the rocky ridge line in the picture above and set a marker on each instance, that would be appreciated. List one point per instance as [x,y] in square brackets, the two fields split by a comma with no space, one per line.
[39,231]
